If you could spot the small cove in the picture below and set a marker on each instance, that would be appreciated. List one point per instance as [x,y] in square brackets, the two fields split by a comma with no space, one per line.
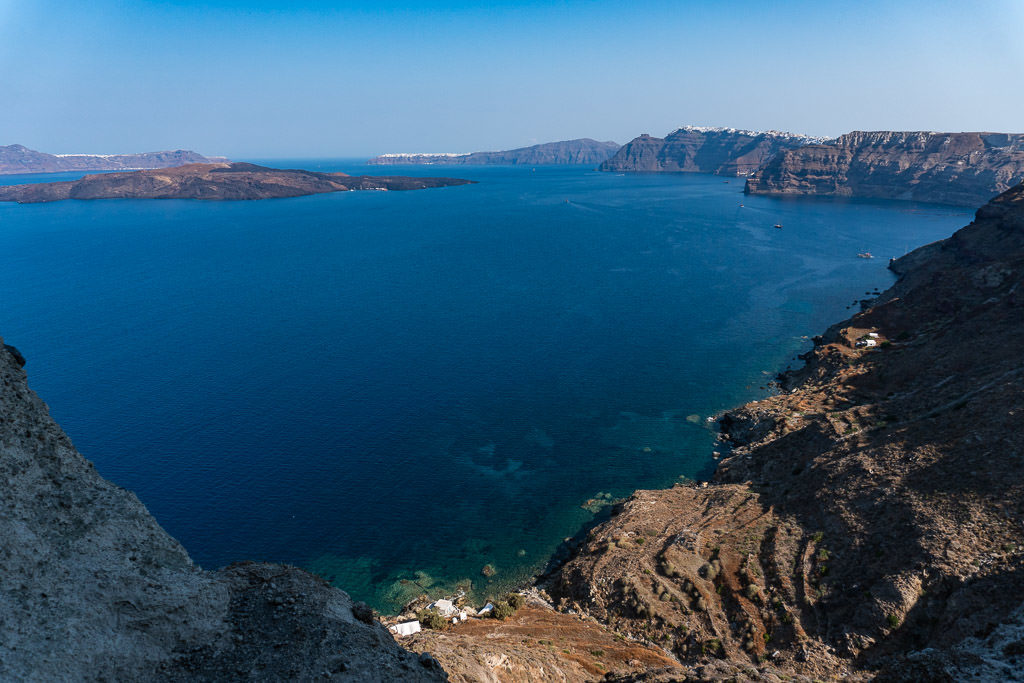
[395,389]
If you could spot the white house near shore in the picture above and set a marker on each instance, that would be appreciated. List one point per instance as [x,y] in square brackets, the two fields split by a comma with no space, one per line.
[406,629]
[446,608]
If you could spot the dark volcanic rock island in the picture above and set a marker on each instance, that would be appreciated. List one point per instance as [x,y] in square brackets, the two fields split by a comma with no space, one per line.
[20,159]
[213,181]
[581,151]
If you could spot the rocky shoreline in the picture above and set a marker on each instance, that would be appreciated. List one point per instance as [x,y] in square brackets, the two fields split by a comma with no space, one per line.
[865,522]
[868,521]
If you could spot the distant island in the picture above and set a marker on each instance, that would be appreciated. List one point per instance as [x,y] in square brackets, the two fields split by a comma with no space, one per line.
[580,151]
[949,168]
[223,181]
[698,149]
[16,159]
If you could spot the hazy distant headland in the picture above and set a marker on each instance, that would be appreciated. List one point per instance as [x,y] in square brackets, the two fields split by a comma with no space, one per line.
[697,149]
[213,181]
[16,159]
[579,151]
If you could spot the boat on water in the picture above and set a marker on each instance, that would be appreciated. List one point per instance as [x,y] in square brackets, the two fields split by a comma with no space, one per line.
[778,225]
[866,254]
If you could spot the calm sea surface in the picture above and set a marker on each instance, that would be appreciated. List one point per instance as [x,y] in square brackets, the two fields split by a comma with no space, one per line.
[396,389]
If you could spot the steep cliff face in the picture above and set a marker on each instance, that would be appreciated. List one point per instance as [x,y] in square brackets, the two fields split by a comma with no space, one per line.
[952,168]
[724,151]
[21,159]
[869,519]
[581,151]
[91,588]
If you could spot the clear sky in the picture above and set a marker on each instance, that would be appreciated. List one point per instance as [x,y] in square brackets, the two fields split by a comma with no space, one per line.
[298,78]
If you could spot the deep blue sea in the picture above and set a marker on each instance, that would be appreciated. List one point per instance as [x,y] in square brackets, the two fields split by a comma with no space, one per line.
[396,389]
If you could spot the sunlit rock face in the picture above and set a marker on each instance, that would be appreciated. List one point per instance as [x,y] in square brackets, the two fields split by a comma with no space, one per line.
[963,169]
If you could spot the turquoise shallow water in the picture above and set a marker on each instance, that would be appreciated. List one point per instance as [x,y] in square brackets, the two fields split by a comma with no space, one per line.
[395,389]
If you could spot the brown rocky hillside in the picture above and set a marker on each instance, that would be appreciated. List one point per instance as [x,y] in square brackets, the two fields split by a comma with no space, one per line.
[869,519]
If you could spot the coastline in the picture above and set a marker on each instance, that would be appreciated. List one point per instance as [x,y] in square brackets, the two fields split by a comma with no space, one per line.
[852,532]
[837,510]
[610,581]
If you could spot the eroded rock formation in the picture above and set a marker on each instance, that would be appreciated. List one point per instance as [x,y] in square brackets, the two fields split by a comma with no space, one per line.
[964,169]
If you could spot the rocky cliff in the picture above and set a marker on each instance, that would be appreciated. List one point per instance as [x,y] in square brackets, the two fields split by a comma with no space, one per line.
[91,588]
[964,169]
[868,520]
[21,159]
[581,151]
[725,151]
[212,181]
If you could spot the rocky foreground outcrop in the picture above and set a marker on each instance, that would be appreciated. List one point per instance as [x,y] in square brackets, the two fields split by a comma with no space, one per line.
[91,588]
[581,151]
[964,169]
[21,159]
[539,643]
[692,149]
[223,181]
[869,519]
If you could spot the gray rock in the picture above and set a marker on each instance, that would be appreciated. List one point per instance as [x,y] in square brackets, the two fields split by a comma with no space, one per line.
[92,588]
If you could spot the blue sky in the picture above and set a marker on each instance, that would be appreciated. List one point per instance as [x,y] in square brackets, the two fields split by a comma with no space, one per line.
[299,79]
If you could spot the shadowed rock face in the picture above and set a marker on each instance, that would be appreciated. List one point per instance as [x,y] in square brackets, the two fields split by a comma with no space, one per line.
[870,517]
[213,181]
[91,588]
[722,151]
[21,159]
[581,151]
[963,169]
